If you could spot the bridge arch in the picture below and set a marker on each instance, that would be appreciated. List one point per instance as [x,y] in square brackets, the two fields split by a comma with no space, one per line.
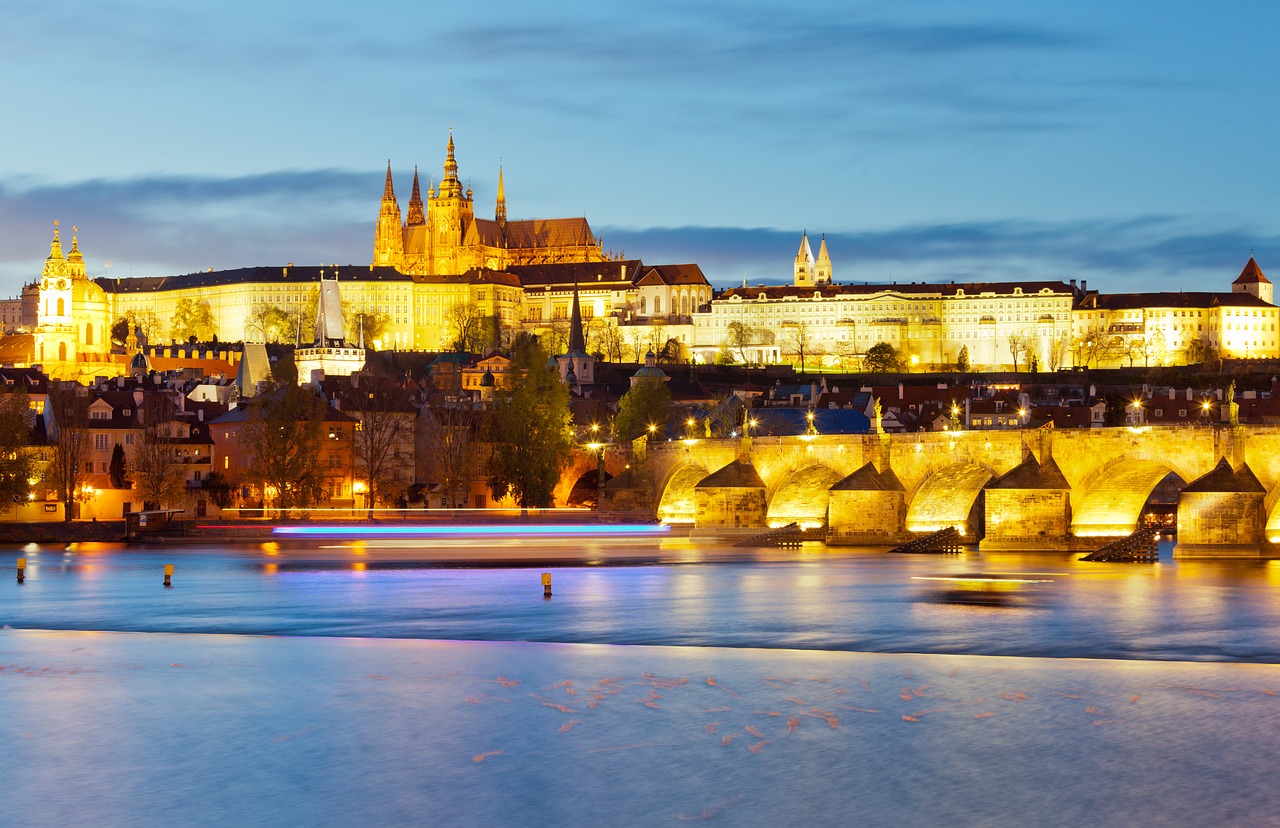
[1112,497]
[802,497]
[679,503]
[949,496]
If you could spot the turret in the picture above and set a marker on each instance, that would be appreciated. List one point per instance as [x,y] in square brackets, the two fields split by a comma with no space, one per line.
[824,263]
[500,211]
[1252,281]
[449,185]
[416,216]
[804,270]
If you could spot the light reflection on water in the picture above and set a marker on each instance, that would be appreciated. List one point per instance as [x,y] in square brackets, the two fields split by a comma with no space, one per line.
[813,597]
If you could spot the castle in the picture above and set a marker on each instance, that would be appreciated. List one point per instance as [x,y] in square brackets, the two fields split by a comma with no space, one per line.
[443,236]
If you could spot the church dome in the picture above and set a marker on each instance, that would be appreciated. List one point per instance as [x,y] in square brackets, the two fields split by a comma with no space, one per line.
[85,292]
[487,380]
[139,364]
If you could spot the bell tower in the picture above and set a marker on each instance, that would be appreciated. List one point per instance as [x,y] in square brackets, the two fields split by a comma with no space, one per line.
[388,243]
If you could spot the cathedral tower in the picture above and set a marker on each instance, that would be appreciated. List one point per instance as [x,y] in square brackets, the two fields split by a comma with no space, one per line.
[450,214]
[804,263]
[388,243]
[824,263]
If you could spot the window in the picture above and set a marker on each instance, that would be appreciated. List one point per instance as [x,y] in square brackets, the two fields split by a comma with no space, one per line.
[88,466]
[100,442]
[128,439]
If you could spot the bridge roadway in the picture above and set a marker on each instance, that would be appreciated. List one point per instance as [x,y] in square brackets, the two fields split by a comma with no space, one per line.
[1014,489]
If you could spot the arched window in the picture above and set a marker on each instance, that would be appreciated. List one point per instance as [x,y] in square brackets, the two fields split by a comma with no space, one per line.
[62,346]
[60,308]
[684,305]
[88,334]
[657,305]
[643,306]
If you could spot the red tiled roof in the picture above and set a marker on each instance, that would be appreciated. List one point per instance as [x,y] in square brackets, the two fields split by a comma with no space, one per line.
[1252,274]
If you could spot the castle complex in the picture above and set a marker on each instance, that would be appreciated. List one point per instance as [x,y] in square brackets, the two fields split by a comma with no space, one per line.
[442,263]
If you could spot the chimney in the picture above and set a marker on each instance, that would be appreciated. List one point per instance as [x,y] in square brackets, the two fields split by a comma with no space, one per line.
[1084,286]
[1172,393]
[899,391]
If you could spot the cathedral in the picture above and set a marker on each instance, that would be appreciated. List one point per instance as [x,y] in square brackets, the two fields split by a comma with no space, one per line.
[443,237]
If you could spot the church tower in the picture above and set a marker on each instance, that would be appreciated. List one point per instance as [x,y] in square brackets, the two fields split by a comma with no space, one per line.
[450,214]
[1253,282]
[804,263]
[500,210]
[824,263]
[72,313]
[415,232]
[388,243]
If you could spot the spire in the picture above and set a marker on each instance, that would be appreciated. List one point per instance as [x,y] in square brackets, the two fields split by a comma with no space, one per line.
[360,320]
[500,212]
[388,192]
[824,263]
[75,262]
[577,342]
[416,216]
[55,249]
[449,185]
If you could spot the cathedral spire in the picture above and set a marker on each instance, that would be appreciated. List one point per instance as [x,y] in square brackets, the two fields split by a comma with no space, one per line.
[449,185]
[388,192]
[75,261]
[416,216]
[500,211]
[804,262]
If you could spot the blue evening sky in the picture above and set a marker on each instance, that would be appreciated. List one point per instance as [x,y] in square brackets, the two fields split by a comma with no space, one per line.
[1132,144]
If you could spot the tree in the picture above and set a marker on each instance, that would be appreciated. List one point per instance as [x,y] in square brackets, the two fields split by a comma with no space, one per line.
[67,424]
[160,476]
[1203,351]
[385,424]
[119,468]
[798,343]
[282,446]
[738,336]
[192,318]
[146,326]
[531,432]
[466,328]
[219,489]
[447,445]
[1019,345]
[269,323]
[1090,346]
[17,467]
[371,323]
[962,361]
[881,358]
[647,403]
[1057,353]
[1033,364]
[608,342]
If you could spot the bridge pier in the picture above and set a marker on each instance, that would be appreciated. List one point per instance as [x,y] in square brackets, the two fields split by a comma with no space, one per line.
[1220,515]
[1028,508]
[867,507]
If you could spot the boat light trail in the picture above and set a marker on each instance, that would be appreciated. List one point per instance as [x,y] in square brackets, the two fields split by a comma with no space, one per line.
[550,530]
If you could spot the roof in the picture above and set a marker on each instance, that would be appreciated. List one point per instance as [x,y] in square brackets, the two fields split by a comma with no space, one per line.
[1252,274]
[867,479]
[555,232]
[909,289]
[1182,299]
[1225,479]
[240,275]
[736,475]
[674,274]
[1029,474]
[584,274]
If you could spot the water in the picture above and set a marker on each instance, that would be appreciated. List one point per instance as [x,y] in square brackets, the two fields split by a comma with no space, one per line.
[360,685]
[686,595]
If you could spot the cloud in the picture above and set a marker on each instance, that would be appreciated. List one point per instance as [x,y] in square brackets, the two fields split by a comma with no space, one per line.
[160,225]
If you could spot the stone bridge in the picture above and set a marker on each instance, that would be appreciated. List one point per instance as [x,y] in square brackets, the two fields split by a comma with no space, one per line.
[1018,489]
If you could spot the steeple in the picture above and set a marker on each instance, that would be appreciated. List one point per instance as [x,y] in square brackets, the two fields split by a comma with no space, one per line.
[55,248]
[804,263]
[824,263]
[449,185]
[389,192]
[75,261]
[500,211]
[416,216]
[577,341]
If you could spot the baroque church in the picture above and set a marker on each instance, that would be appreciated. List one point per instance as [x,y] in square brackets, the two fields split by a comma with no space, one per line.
[443,236]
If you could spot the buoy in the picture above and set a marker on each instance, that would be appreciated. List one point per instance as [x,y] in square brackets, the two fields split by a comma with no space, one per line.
[546,585]
[168,573]
[22,570]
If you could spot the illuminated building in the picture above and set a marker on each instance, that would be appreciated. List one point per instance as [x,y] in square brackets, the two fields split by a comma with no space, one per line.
[329,355]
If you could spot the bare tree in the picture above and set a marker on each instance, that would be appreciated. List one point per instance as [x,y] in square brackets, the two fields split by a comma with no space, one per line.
[282,446]
[738,336]
[608,342]
[1019,346]
[160,477]
[383,436]
[798,342]
[465,324]
[448,446]
[67,424]
[1058,346]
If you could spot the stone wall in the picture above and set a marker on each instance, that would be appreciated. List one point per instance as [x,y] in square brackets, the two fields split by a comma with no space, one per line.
[1027,519]
[730,508]
[1219,524]
[866,517]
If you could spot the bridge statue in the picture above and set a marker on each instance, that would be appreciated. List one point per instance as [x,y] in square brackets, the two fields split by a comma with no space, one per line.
[877,411]
[1233,408]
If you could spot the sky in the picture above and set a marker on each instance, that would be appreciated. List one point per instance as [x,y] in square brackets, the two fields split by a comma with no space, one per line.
[1133,144]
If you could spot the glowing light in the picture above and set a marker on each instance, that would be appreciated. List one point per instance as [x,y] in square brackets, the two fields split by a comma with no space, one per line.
[595,446]
[549,530]
[652,428]
[359,487]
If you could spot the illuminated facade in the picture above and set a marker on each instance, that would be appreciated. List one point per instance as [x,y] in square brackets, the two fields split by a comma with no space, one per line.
[73,319]
[443,236]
